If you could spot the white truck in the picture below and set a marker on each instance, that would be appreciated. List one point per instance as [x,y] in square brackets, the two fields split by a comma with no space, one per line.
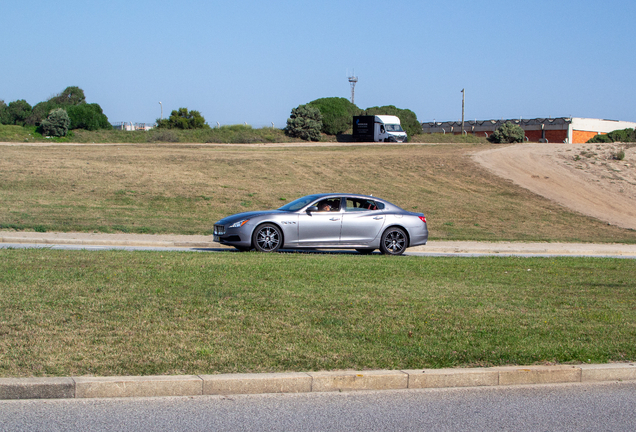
[379,128]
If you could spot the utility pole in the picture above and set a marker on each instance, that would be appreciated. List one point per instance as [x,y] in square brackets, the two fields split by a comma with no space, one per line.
[463,100]
[161,110]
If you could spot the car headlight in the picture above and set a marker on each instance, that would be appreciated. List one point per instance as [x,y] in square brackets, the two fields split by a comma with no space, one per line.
[239,223]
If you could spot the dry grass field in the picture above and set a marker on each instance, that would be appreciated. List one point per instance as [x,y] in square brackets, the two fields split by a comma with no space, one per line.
[184,189]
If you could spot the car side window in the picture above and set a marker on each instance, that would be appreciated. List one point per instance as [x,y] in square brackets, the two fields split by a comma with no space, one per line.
[329,205]
[361,204]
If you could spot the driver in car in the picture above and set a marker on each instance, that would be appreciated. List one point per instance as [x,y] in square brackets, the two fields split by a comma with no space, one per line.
[324,206]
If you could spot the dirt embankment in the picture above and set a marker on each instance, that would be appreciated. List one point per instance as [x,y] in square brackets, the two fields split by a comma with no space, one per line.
[588,178]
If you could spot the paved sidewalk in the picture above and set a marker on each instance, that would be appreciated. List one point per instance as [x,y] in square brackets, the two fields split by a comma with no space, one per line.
[201,241]
[305,382]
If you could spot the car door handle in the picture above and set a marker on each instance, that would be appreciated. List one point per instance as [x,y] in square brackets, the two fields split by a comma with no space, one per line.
[378,217]
[334,219]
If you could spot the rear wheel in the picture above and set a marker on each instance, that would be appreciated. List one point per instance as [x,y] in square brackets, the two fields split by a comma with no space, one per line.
[394,241]
[267,238]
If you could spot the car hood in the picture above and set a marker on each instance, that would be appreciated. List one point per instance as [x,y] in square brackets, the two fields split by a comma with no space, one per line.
[246,215]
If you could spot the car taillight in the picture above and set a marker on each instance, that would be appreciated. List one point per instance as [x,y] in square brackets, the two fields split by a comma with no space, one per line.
[422,218]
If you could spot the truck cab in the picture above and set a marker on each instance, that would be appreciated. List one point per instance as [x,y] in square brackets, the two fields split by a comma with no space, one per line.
[379,128]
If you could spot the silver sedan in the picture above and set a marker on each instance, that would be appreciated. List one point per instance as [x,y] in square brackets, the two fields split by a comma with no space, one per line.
[343,221]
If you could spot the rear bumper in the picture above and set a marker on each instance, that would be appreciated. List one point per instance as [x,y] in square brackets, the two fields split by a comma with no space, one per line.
[419,238]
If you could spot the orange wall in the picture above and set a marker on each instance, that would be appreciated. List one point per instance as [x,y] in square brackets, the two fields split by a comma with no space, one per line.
[580,137]
[553,136]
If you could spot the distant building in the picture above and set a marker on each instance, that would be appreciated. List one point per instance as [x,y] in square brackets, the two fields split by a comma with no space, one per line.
[558,130]
[130,126]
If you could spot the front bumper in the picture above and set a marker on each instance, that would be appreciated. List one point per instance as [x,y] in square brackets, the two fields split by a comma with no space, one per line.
[399,139]
[231,236]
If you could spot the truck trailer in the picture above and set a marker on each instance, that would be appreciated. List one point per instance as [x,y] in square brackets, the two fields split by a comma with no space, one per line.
[379,128]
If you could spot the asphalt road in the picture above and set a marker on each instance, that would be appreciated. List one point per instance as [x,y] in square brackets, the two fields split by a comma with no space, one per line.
[558,407]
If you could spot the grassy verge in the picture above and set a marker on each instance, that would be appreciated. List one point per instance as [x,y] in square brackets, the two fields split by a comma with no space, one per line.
[123,313]
[235,134]
[184,189]
[239,134]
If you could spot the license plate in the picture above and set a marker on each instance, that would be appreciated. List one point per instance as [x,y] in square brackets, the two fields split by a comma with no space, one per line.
[216,238]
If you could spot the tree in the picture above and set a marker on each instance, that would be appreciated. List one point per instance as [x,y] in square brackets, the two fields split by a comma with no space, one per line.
[70,96]
[15,113]
[87,116]
[337,114]
[56,124]
[40,112]
[507,133]
[3,109]
[305,122]
[183,119]
[408,119]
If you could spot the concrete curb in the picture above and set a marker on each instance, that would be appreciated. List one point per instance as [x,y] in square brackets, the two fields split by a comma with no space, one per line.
[307,382]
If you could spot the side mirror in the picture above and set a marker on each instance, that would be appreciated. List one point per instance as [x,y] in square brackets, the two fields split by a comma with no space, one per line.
[312,209]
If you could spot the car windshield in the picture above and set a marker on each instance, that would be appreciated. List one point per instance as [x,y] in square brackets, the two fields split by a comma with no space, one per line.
[394,128]
[299,203]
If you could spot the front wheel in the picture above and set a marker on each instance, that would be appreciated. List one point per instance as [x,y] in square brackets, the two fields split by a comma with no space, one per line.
[394,241]
[267,238]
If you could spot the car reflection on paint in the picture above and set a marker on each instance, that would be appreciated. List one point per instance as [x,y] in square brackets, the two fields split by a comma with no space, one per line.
[324,221]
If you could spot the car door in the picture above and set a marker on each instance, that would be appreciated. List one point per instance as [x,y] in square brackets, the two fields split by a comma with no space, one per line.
[362,221]
[320,227]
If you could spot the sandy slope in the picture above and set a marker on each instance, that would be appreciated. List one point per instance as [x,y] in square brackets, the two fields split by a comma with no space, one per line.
[582,177]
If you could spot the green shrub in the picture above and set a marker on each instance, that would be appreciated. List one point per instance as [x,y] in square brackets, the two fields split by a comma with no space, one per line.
[600,139]
[40,112]
[56,124]
[336,114]
[507,133]
[305,122]
[623,135]
[619,154]
[620,135]
[408,119]
[183,119]
[15,113]
[87,116]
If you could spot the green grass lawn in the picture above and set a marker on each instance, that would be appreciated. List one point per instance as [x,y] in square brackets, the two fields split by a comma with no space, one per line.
[65,313]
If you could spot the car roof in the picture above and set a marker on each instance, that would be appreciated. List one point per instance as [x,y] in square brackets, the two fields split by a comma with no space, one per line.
[327,195]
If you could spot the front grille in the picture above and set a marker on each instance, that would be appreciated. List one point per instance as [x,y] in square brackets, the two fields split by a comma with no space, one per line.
[219,230]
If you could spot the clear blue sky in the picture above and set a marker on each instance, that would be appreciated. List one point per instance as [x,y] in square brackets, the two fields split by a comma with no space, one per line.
[253,61]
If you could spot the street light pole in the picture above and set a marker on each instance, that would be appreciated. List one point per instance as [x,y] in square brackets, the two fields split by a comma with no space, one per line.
[161,110]
[463,99]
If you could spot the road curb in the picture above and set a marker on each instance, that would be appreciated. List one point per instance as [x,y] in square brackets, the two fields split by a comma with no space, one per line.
[307,382]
